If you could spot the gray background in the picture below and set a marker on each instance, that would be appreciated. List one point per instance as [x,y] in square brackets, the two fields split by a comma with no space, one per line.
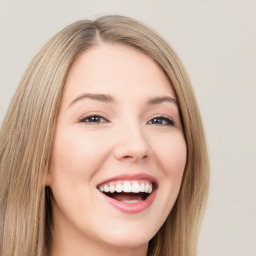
[216,41]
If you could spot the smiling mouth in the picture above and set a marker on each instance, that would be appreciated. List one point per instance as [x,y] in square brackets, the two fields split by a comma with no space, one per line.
[130,192]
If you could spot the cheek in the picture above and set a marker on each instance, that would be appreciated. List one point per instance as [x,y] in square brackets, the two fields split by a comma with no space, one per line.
[171,154]
[77,152]
[75,159]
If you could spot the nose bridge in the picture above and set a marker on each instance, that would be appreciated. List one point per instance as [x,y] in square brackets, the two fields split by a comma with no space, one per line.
[131,141]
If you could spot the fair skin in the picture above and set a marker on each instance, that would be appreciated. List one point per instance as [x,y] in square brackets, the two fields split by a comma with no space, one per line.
[118,116]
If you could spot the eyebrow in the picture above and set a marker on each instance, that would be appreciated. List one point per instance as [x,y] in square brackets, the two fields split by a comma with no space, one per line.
[158,100]
[107,98]
[98,97]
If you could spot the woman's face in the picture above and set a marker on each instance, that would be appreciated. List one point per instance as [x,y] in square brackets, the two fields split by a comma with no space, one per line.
[118,129]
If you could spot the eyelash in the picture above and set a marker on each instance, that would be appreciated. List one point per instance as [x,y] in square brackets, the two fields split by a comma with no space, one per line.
[94,119]
[167,120]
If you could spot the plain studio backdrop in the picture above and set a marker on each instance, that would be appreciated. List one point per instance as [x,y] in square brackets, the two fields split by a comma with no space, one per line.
[216,41]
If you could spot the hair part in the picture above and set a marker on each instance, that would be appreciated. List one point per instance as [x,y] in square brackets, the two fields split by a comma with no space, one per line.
[28,130]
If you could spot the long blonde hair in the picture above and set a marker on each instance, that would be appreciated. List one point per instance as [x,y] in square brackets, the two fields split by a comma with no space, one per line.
[28,129]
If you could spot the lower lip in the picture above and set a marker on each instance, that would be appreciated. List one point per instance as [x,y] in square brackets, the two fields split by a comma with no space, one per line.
[131,208]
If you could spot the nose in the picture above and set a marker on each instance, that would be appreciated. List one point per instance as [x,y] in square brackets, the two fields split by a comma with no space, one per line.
[131,144]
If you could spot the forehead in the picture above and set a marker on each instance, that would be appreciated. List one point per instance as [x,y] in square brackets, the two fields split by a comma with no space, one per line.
[118,70]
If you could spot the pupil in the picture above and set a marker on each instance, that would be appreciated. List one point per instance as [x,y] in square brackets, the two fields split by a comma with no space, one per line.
[157,121]
[94,119]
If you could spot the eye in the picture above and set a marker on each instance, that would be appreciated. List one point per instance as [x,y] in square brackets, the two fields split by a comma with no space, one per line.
[161,120]
[92,119]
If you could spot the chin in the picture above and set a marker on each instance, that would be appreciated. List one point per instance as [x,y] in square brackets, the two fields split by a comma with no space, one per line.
[123,238]
[127,241]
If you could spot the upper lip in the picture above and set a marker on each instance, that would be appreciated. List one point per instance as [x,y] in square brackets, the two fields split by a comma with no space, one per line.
[138,176]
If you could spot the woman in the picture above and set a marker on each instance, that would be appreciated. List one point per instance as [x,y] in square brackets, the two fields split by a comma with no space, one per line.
[102,149]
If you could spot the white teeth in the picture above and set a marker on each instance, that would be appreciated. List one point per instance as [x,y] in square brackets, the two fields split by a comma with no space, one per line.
[146,188]
[150,189]
[131,201]
[106,188]
[112,189]
[119,188]
[135,187]
[128,187]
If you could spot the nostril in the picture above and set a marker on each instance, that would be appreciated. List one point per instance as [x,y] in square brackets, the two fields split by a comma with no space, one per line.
[132,154]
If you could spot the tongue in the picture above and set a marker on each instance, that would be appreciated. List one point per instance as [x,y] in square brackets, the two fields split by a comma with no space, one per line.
[127,197]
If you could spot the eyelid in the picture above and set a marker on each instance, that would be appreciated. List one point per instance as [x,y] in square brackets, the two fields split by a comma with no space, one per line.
[91,114]
[163,116]
[107,120]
